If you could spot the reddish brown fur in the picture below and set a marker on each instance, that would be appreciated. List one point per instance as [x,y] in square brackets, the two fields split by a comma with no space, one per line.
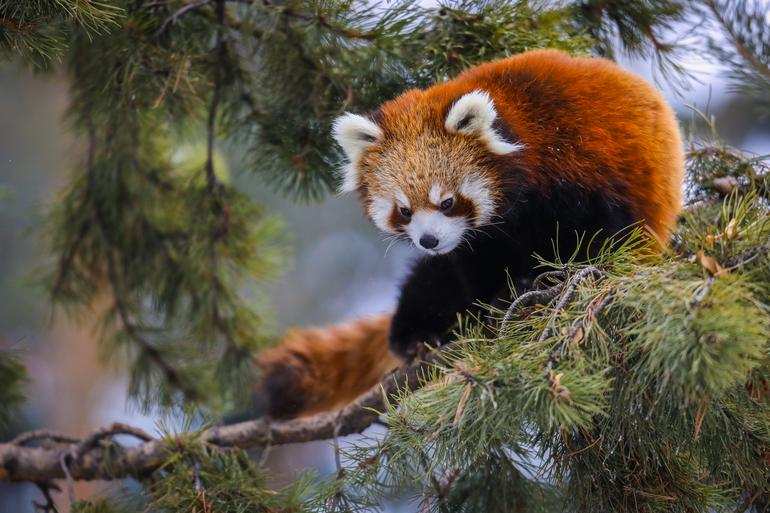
[333,365]
[604,116]
[575,115]
[461,207]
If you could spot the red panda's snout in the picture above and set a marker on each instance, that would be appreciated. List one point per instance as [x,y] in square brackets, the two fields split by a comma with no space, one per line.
[435,218]
[449,215]
[435,232]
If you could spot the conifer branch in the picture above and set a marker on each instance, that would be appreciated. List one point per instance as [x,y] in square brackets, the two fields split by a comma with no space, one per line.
[737,41]
[115,282]
[88,460]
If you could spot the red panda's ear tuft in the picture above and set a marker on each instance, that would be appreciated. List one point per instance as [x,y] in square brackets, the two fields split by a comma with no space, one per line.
[474,114]
[354,134]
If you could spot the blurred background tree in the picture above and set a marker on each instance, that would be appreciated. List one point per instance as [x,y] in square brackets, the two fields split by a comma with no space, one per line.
[646,391]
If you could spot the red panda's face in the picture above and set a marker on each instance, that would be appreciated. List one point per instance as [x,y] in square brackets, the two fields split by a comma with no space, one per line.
[422,175]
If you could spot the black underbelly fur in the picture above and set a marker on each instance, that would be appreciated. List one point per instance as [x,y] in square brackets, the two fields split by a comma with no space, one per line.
[550,225]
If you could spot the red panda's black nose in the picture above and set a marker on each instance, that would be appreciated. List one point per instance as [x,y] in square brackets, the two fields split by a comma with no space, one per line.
[428,241]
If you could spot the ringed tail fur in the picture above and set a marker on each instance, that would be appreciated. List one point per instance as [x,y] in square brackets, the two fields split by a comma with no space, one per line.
[323,369]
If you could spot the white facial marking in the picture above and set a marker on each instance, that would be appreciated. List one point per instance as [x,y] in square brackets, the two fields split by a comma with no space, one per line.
[379,210]
[401,198]
[354,133]
[448,230]
[435,194]
[473,114]
[477,189]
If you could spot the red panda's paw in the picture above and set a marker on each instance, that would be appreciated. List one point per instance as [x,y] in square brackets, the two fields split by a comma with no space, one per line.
[409,344]
[403,343]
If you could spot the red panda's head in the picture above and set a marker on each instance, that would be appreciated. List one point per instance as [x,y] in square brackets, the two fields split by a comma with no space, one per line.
[421,165]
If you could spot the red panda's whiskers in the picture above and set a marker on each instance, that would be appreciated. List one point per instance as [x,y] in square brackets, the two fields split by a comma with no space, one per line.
[392,240]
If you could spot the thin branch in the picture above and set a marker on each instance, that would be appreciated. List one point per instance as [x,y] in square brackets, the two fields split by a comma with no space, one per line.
[65,263]
[179,13]
[117,428]
[569,291]
[152,352]
[746,257]
[70,482]
[568,294]
[221,55]
[116,284]
[318,18]
[49,506]
[213,186]
[533,297]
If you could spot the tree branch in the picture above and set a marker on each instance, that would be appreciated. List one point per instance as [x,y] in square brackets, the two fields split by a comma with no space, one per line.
[87,460]
[90,459]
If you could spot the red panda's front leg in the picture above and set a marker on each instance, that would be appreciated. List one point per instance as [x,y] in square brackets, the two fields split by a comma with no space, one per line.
[437,290]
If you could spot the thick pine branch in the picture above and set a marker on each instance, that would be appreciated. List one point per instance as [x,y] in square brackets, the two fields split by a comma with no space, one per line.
[89,460]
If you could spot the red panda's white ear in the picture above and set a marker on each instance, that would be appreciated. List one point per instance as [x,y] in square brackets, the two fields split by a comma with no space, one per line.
[474,114]
[354,133]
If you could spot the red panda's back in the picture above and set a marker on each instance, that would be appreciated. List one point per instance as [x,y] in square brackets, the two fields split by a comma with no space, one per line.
[586,121]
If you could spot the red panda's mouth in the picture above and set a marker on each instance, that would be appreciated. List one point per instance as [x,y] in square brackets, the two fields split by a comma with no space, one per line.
[436,233]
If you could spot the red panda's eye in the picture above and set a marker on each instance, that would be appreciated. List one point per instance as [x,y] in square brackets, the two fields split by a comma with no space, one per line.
[447,204]
[405,212]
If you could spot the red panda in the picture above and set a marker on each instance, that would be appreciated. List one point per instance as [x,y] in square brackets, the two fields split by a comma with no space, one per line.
[512,158]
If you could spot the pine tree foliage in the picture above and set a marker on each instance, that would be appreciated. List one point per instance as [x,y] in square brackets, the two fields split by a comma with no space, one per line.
[642,386]
[743,45]
[39,30]
[12,379]
[197,479]
[353,56]
[631,382]
[642,27]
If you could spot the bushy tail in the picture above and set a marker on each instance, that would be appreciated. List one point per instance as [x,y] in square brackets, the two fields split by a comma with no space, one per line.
[322,369]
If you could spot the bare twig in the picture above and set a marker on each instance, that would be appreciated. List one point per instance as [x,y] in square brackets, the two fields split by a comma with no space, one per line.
[49,506]
[70,482]
[746,257]
[558,274]
[533,297]
[337,453]
[568,295]
[97,436]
